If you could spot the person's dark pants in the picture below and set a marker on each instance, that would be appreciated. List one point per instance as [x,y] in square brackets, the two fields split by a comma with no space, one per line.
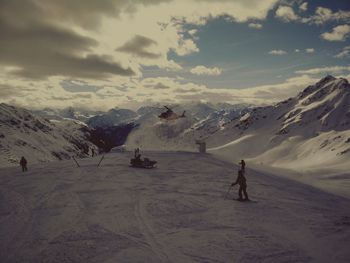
[243,188]
[24,168]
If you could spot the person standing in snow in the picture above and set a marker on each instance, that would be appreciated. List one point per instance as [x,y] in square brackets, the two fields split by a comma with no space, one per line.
[242,182]
[23,163]
[242,163]
[137,152]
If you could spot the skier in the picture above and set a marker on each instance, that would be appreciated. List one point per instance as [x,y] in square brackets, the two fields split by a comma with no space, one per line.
[241,180]
[23,163]
[242,163]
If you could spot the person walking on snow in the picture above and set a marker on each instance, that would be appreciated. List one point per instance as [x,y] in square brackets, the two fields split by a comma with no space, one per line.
[242,182]
[23,163]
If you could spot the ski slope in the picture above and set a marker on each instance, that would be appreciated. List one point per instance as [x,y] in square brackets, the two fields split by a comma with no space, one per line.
[174,213]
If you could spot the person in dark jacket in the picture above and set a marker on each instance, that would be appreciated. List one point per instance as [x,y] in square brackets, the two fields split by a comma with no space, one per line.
[242,163]
[242,182]
[23,163]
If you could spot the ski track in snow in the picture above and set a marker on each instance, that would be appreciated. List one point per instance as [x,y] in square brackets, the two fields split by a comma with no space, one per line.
[174,213]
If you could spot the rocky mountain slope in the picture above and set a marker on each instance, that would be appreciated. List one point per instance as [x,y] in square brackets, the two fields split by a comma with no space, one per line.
[38,139]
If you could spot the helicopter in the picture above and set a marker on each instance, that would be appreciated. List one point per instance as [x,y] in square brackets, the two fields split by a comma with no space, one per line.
[170,115]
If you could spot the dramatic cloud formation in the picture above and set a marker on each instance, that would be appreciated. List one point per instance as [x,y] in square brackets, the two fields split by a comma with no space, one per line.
[202,70]
[37,47]
[108,53]
[278,52]
[338,33]
[138,46]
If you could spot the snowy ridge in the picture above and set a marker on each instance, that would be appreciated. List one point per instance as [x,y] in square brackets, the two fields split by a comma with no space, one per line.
[38,139]
[315,124]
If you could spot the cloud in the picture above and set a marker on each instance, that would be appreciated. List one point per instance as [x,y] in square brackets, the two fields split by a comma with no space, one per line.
[344,53]
[138,45]
[255,25]
[8,91]
[141,92]
[278,52]
[44,43]
[186,47]
[303,7]
[63,35]
[161,86]
[39,48]
[192,32]
[325,70]
[323,15]
[286,14]
[310,50]
[338,33]
[202,70]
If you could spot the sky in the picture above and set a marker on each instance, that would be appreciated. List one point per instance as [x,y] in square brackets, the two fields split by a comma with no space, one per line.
[122,53]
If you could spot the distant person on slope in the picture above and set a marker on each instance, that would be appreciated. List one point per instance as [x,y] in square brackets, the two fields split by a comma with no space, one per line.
[137,152]
[23,163]
[241,180]
[242,163]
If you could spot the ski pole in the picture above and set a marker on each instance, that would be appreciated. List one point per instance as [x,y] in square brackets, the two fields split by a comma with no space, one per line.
[76,161]
[227,192]
[103,156]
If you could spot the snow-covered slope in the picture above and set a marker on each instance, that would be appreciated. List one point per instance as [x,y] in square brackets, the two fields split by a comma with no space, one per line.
[38,139]
[305,132]
[156,134]
[175,213]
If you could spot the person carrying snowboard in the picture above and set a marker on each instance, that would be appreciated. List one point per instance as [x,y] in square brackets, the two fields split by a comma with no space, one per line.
[23,163]
[242,182]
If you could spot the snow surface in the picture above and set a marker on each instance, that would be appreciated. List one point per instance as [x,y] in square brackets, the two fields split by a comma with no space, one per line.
[174,213]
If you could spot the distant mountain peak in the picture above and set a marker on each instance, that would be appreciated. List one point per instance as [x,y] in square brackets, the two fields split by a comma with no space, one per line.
[327,79]
[324,83]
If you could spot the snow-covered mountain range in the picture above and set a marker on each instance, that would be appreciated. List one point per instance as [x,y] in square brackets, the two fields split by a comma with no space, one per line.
[153,133]
[24,134]
[307,131]
[53,134]
[111,118]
